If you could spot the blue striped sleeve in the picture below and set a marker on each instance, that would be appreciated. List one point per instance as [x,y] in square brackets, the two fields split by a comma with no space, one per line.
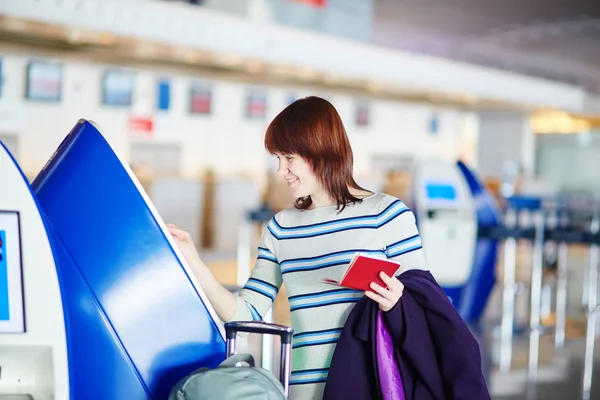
[400,237]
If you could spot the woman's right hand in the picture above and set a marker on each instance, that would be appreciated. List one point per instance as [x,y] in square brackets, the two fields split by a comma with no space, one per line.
[186,245]
[222,299]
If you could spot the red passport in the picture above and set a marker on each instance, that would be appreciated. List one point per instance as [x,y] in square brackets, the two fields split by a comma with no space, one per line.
[363,270]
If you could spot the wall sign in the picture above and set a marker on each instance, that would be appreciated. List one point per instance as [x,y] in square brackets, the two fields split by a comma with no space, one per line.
[434,123]
[200,99]
[256,104]
[361,114]
[44,81]
[163,95]
[117,88]
[1,78]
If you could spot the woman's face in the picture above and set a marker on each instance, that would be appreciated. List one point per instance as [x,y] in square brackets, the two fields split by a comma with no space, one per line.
[299,176]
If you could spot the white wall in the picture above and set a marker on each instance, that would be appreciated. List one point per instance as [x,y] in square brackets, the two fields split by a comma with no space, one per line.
[224,141]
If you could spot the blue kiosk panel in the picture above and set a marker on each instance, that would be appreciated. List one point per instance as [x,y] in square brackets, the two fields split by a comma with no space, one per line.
[124,276]
[99,365]
[474,295]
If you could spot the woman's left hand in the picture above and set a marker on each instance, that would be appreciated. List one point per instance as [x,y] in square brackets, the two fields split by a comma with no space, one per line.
[386,297]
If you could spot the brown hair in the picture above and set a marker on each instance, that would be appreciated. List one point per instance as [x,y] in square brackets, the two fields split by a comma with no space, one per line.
[312,128]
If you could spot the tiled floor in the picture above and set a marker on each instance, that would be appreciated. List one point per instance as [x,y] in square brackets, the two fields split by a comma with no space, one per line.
[559,377]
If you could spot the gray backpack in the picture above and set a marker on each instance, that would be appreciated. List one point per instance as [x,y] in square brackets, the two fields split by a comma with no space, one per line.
[230,381]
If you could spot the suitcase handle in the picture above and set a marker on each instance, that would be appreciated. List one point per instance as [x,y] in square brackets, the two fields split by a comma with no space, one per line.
[232,328]
[286,333]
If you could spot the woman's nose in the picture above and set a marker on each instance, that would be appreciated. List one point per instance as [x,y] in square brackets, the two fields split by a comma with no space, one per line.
[282,170]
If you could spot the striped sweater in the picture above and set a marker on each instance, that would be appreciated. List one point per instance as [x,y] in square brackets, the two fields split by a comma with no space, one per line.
[299,249]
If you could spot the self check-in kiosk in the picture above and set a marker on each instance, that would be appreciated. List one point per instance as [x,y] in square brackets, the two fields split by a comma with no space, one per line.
[453,209]
[111,310]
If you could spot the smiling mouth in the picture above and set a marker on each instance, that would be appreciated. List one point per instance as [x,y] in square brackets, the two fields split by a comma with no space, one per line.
[290,181]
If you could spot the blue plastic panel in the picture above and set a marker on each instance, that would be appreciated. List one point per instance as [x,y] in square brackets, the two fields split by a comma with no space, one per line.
[471,299]
[121,253]
[99,366]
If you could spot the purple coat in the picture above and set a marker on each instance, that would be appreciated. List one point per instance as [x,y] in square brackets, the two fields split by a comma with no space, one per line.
[438,356]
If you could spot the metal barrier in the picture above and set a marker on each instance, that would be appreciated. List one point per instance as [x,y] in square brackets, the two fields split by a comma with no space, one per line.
[536,300]
[561,283]
[508,292]
[591,309]
[515,229]
[559,222]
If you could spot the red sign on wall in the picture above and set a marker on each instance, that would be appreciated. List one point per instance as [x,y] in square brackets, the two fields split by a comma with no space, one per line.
[314,3]
[256,105]
[143,125]
[361,114]
[200,99]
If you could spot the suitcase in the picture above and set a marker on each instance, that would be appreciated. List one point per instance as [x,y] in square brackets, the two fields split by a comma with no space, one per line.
[284,332]
[231,380]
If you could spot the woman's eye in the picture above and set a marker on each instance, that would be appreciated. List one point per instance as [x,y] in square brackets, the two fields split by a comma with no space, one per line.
[289,158]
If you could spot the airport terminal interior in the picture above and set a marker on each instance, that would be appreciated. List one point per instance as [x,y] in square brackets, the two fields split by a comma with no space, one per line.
[119,117]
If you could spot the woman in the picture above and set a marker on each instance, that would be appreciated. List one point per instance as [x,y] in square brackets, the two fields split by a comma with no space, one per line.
[333,218]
